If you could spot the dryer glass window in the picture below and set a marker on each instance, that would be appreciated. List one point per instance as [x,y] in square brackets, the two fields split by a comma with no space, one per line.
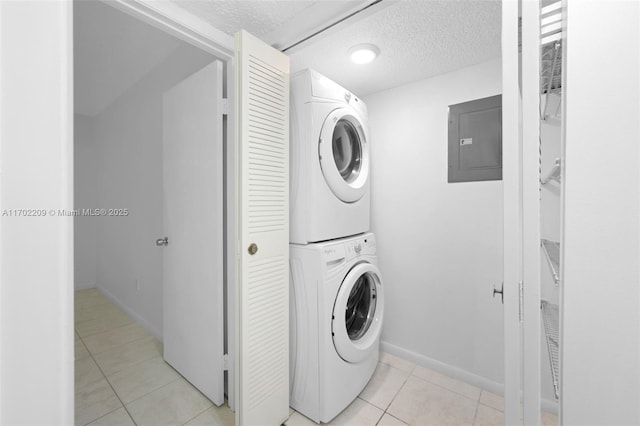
[361,306]
[347,151]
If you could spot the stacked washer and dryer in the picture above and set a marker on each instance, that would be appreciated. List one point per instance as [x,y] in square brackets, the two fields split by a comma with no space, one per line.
[337,299]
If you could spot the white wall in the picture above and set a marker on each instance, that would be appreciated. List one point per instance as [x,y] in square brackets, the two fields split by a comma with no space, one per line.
[85,163]
[439,244]
[36,138]
[601,289]
[129,148]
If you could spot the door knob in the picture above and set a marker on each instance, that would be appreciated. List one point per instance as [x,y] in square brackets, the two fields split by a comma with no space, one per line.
[161,242]
[500,292]
[253,249]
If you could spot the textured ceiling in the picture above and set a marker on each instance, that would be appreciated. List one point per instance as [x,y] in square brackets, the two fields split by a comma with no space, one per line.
[278,22]
[112,51]
[417,39]
[257,17]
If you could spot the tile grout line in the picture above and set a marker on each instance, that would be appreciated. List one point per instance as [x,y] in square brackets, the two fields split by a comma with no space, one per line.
[475,416]
[111,386]
[395,396]
[85,348]
[107,330]
[404,382]
[105,415]
[149,337]
[385,411]
[451,390]
[92,307]
[482,390]
[156,389]
[114,328]
[141,396]
[200,413]
[123,405]
[397,418]
[457,393]
[114,391]
[477,400]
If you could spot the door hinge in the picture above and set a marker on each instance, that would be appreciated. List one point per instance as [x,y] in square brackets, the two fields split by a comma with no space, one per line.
[225,362]
[225,106]
[521,301]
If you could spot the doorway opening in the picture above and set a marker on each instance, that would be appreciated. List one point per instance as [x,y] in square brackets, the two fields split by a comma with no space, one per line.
[127,75]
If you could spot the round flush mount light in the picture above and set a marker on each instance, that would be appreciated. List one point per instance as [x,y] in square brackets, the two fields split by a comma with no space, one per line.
[363,53]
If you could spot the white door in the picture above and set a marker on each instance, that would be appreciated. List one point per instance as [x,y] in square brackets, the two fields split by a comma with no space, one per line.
[262,290]
[192,212]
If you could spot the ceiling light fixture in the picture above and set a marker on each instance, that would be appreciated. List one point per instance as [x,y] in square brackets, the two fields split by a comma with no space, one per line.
[363,53]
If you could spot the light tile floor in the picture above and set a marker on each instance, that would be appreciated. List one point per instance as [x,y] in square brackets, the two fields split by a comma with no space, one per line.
[402,393]
[121,379]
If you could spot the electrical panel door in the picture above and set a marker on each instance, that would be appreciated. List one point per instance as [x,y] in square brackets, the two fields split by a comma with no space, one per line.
[475,140]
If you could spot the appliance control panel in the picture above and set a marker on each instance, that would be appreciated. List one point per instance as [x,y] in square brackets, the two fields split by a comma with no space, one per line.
[322,87]
[361,246]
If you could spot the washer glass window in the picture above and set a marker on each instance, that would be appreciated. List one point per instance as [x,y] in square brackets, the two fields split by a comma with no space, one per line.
[347,150]
[361,307]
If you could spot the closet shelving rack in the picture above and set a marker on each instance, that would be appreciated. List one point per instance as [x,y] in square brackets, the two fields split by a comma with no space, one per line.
[551,30]
[552,253]
[554,173]
[551,320]
[551,26]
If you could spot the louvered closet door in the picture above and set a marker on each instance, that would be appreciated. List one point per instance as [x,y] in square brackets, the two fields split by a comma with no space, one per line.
[263,193]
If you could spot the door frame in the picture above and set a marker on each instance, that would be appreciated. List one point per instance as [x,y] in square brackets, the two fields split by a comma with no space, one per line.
[36,290]
[521,183]
[175,21]
[531,211]
[512,212]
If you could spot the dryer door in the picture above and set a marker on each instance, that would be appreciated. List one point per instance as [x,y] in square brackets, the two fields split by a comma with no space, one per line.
[357,313]
[344,154]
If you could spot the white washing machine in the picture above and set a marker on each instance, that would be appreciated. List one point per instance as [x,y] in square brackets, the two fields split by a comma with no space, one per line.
[329,176]
[337,305]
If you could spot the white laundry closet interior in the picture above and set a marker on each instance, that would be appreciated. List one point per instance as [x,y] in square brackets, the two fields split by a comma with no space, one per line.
[439,244]
[571,262]
[562,235]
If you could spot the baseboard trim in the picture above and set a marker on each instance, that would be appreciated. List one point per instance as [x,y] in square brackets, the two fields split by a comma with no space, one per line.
[457,373]
[120,304]
[84,286]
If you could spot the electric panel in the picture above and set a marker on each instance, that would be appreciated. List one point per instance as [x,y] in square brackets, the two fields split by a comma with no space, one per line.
[475,140]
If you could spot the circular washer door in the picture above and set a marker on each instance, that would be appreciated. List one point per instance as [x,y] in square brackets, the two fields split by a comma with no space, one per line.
[344,154]
[357,313]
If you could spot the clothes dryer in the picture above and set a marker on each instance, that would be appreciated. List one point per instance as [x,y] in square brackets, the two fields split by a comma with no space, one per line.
[336,313]
[329,176]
